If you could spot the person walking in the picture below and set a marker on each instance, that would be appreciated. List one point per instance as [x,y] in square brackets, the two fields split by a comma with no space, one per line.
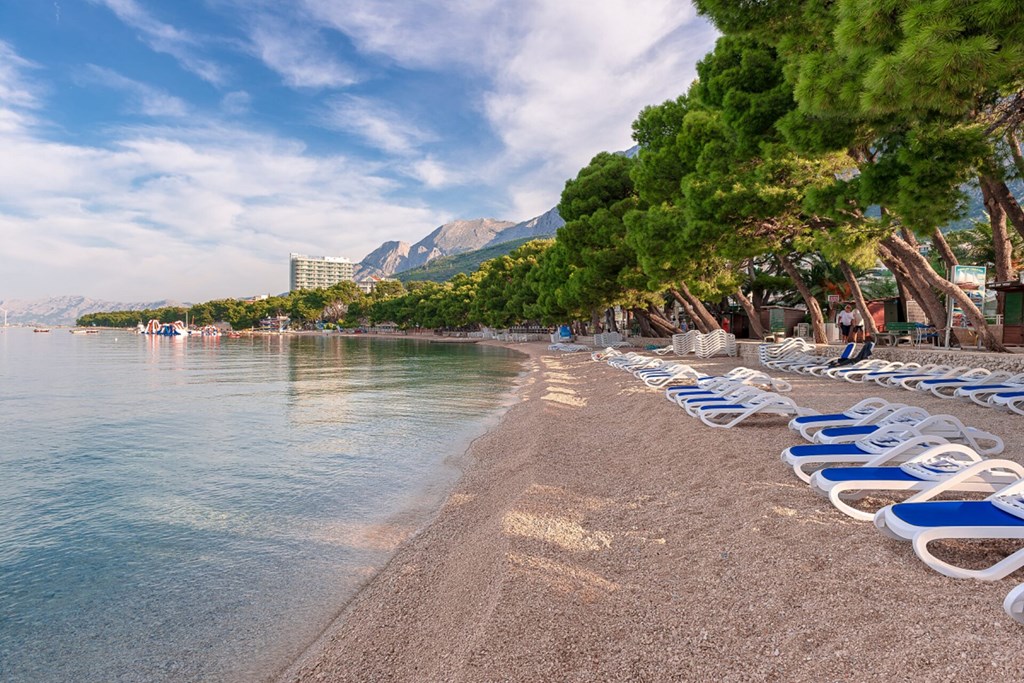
[857,330]
[845,320]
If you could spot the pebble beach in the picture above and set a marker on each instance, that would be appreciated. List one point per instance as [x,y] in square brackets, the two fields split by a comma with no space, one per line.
[598,533]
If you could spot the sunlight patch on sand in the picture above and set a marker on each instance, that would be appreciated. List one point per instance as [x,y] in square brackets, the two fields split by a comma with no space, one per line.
[560,377]
[559,531]
[564,577]
[459,499]
[564,399]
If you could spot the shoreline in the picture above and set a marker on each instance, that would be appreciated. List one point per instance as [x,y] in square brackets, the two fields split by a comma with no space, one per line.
[598,533]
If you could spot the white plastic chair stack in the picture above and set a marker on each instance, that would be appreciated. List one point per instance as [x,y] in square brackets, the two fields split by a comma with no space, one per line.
[683,344]
[607,339]
[716,343]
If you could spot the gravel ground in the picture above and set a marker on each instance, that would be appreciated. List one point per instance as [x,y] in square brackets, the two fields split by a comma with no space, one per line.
[600,534]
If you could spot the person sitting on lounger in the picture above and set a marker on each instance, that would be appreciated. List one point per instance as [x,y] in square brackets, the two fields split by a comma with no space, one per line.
[865,353]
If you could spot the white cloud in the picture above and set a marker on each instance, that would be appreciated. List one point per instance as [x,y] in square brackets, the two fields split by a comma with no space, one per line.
[564,79]
[236,102]
[297,56]
[146,99]
[376,123]
[190,213]
[15,90]
[166,39]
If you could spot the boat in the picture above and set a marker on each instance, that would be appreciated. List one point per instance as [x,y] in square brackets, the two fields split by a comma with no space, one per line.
[157,328]
[41,329]
[209,331]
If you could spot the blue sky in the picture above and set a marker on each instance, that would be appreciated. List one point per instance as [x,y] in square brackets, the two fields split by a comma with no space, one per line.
[183,149]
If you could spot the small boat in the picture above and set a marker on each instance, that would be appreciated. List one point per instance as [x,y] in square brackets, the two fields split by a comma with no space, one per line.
[209,331]
[79,331]
[41,329]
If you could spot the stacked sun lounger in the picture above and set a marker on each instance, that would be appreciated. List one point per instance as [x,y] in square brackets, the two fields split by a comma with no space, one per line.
[932,458]
[717,343]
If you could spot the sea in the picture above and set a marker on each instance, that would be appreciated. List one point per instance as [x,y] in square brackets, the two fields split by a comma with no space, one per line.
[201,509]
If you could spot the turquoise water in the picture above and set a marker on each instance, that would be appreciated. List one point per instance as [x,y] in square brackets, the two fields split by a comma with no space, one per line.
[200,510]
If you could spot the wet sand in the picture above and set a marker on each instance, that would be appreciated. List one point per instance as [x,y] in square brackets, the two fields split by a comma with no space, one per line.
[600,534]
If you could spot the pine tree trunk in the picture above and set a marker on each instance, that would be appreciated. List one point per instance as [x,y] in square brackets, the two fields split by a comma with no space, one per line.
[752,315]
[661,325]
[688,309]
[1000,236]
[698,307]
[1014,143]
[813,307]
[644,322]
[921,266]
[921,292]
[1002,194]
[858,298]
[942,246]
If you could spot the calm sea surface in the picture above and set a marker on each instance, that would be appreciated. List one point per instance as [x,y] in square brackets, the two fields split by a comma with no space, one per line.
[199,510]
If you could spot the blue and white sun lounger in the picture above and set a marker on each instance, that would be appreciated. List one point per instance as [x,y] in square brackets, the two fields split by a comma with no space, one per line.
[863,410]
[729,415]
[922,520]
[892,441]
[920,473]
[946,426]
[980,393]
[945,387]
[909,416]
[1008,399]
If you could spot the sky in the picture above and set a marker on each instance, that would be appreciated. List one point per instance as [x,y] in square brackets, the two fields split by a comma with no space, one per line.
[182,149]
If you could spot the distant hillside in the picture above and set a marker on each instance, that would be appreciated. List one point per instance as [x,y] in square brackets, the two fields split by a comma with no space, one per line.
[451,239]
[444,268]
[64,310]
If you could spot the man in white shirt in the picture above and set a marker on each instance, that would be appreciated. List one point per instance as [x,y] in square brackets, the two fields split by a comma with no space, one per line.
[845,320]
[857,331]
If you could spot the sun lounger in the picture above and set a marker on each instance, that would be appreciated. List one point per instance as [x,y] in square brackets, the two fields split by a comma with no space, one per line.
[945,386]
[920,473]
[904,415]
[892,441]
[1012,400]
[739,393]
[729,415]
[980,393]
[857,375]
[809,424]
[911,381]
[920,422]
[822,361]
[922,520]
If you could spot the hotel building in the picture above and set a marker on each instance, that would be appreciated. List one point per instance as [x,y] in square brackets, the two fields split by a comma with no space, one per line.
[312,272]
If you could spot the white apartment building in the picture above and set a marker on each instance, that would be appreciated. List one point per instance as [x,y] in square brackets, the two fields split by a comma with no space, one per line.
[311,272]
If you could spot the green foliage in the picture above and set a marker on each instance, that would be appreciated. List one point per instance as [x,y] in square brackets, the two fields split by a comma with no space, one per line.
[444,268]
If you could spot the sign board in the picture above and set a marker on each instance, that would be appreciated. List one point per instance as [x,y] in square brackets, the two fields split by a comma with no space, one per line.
[971,279]
[834,298]
[776,320]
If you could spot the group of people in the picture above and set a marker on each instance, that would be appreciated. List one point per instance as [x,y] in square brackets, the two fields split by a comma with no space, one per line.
[851,324]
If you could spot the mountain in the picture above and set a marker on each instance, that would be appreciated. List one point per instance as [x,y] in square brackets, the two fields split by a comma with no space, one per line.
[457,237]
[444,268]
[544,225]
[64,310]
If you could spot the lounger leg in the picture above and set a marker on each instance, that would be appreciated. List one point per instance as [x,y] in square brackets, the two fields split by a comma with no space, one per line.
[999,570]
[1014,603]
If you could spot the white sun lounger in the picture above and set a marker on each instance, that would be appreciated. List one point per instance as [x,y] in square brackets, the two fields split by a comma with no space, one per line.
[1014,603]
[920,473]
[731,414]
[921,520]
